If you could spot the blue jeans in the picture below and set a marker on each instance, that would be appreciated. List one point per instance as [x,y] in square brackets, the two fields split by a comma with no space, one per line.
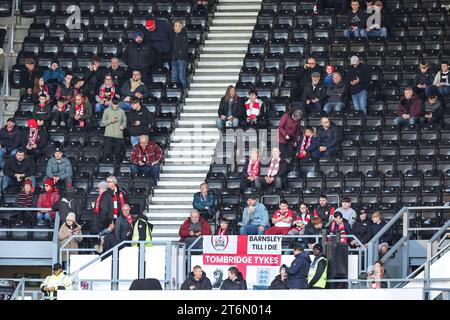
[125,105]
[2,155]
[358,33]
[378,33]
[443,90]
[360,101]
[399,121]
[221,123]
[333,106]
[251,229]
[45,215]
[134,140]
[154,170]
[179,68]
[99,107]
[312,107]
[7,181]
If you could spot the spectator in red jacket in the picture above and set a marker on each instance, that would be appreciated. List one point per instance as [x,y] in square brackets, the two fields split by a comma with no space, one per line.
[409,108]
[288,130]
[146,157]
[282,219]
[47,200]
[193,227]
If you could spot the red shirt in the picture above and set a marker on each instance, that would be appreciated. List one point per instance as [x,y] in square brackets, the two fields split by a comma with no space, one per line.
[278,214]
[151,153]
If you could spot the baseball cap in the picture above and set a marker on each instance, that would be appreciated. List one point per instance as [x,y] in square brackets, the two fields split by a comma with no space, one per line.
[354,60]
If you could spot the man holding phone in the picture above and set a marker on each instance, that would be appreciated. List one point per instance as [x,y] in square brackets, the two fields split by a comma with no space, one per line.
[138,121]
[358,81]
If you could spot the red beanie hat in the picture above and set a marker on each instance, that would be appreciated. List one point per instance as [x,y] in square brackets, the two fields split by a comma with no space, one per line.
[50,182]
[28,181]
[150,25]
[32,123]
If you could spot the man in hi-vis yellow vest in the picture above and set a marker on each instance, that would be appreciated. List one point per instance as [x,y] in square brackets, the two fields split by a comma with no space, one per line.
[317,276]
[55,282]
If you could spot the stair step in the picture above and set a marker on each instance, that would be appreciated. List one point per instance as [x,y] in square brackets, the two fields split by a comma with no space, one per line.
[202,138]
[203,108]
[232,7]
[182,175]
[162,232]
[168,238]
[217,70]
[173,199]
[216,77]
[235,14]
[199,114]
[209,92]
[227,36]
[241,22]
[165,222]
[211,63]
[200,85]
[222,56]
[177,190]
[209,42]
[240,48]
[193,145]
[185,160]
[179,131]
[230,28]
[191,152]
[174,168]
[170,207]
[167,215]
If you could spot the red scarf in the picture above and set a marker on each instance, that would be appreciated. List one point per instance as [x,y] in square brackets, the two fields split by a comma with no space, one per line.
[305,145]
[63,107]
[33,137]
[253,109]
[79,110]
[253,168]
[222,231]
[273,169]
[306,219]
[42,106]
[97,206]
[129,219]
[341,230]
[116,204]
[104,94]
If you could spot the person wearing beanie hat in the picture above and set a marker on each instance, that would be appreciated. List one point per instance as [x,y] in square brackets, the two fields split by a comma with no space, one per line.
[26,196]
[317,276]
[9,140]
[141,56]
[47,200]
[34,139]
[160,35]
[68,229]
[103,209]
[53,76]
[17,169]
[59,168]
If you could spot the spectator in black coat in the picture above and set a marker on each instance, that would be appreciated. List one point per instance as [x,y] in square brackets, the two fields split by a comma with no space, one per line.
[118,73]
[304,76]
[235,280]
[313,95]
[313,229]
[180,54]
[197,280]
[141,56]
[17,169]
[358,79]
[432,109]
[298,271]
[336,94]
[68,203]
[159,34]
[103,210]
[28,75]
[230,109]
[329,138]
[123,227]
[280,281]
[93,78]
[34,139]
[386,239]
[361,228]
[423,81]
[276,172]
[139,121]
[10,138]
[356,20]
[42,112]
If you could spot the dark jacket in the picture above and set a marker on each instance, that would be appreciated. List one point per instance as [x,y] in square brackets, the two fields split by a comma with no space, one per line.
[65,205]
[310,92]
[41,140]
[27,78]
[329,138]
[86,113]
[358,19]
[122,229]
[237,108]
[313,148]
[423,78]
[434,108]
[13,166]
[180,46]
[238,284]
[375,228]
[303,77]
[139,56]
[161,39]
[298,272]
[336,92]
[126,90]
[361,230]
[278,284]
[200,203]
[144,117]
[229,231]
[311,231]
[360,72]
[118,75]
[321,265]
[324,213]
[202,284]
[106,212]
[288,127]
[42,114]
[10,140]
[93,80]
[413,106]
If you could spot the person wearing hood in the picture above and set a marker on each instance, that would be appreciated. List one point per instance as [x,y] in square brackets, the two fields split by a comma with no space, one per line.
[42,112]
[141,56]
[317,276]
[18,169]
[328,134]
[235,280]
[10,137]
[47,200]
[298,271]
[59,168]
[197,280]
[180,54]
[280,281]
[68,203]
[69,228]
[159,34]
[360,228]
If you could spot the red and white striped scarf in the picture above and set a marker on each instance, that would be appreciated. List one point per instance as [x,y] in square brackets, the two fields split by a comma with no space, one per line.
[253,168]
[105,94]
[33,136]
[253,108]
[116,202]
[273,169]
[305,218]
[341,230]
[305,145]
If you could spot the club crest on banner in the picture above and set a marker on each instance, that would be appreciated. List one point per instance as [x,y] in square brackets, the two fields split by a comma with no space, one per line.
[219,243]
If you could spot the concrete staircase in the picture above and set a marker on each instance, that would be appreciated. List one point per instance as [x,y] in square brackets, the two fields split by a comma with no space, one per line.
[194,140]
